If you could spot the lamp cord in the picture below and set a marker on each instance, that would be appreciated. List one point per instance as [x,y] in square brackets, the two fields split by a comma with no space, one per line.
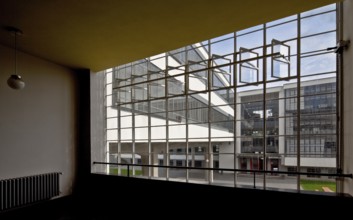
[15,52]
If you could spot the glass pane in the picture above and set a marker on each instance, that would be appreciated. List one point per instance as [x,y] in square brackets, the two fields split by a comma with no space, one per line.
[141,120]
[227,95]
[222,129]
[196,53]
[249,163]
[108,101]
[250,41]
[251,29]
[272,143]
[318,24]
[112,134]
[179,55]
[223,47]
[222,76]
[248,70]
[108,89]
[198,131]
[111,112]
[126,122]
[140,91]
[176,85]
[218,113]
[123,72]
[320,152]
[159,62]
[198,81]
[141,133]
[158,106]
[112,123]
[157,89]
[126,134]
[141,107]
[225,160]
[158,119]
[176,117]
[222,37]
[139,68]
[293,66]
[125,110]
[158,133]
[318,42]
[280,181]
[319,86]
[280,69]
[197,157]
[108,76]
[155,73]
[199,115]
[282,32]
[177,158]
[319,10]
[318,64]
[282,20]
[177,103]
[124,94]
[140,158]
[177,132]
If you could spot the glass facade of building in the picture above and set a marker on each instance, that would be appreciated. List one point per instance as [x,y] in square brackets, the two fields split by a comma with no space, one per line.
[247,100]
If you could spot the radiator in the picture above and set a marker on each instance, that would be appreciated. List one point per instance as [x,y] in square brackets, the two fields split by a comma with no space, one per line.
[22,191]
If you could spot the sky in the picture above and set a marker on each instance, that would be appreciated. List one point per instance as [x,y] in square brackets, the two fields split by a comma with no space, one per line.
[283,30]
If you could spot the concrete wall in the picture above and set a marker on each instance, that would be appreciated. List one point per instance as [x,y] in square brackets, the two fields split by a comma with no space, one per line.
[176,130]
[38,123]
[98,148]
[226,155]
[311,162]
[348,92]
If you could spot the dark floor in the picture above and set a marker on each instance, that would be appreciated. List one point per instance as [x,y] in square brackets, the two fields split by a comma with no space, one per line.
[112,197]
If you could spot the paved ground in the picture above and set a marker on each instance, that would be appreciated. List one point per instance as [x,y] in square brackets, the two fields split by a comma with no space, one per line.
[228,179]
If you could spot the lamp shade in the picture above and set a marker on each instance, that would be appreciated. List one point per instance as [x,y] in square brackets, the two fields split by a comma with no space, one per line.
[16,82]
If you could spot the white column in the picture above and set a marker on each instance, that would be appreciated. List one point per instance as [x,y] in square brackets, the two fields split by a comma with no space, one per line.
[281,127]
[155,162]
[192,156]
[144,160]
[238,125]
[347,99]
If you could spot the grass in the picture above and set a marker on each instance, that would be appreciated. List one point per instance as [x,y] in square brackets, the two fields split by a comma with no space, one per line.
[123,172]
[316,185]
[306,184]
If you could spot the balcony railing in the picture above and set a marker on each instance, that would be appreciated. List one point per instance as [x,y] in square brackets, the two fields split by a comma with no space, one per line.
[254,173]
[313,155]
[253,149]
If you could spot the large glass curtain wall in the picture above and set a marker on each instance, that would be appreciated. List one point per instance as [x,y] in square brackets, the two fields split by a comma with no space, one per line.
[263,98]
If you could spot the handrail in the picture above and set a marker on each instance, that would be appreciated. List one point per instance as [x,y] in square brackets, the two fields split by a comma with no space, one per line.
[338,174]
